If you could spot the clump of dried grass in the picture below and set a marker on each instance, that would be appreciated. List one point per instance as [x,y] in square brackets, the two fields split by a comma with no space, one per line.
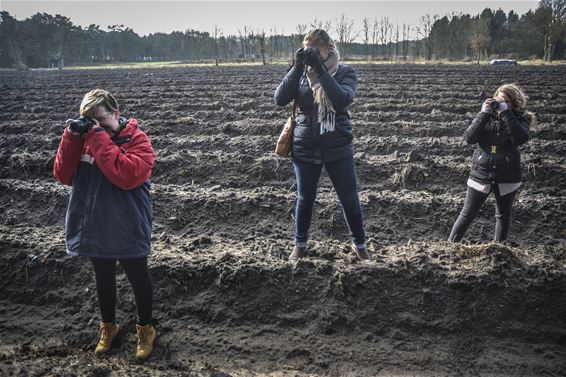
[495,252]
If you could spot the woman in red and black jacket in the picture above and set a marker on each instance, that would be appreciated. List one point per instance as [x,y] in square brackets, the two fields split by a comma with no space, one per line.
[501,126]
[108,161]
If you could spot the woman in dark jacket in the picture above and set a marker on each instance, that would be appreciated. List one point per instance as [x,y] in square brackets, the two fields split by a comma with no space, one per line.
[501,126]
[323,89]
[109,213]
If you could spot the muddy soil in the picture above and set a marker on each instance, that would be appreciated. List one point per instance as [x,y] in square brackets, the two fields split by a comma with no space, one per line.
[227,300]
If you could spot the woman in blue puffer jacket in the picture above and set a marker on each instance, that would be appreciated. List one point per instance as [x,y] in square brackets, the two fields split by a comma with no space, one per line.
[323,89]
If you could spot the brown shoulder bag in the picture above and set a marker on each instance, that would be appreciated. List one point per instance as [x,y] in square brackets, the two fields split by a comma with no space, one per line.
[283,146]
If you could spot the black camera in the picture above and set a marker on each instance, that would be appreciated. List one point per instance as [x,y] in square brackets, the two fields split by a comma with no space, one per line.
[494,104]
[81,125]
[304,55]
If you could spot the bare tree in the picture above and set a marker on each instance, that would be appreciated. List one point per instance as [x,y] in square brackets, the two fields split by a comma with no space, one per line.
[397,42]
[261,39]
[374,37]
[275,44]
[555,17]
[390,40]
[217,34]
[301,32]
[301,29]
[251,42]
[315,24]
[418,44]
[319,24]
[384,34]
[345,30]
[245,41]
[405,41]
[366,31]
[423,31]
[479,39]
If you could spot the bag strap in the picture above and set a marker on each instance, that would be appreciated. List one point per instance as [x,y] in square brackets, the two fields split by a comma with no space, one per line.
[294,111]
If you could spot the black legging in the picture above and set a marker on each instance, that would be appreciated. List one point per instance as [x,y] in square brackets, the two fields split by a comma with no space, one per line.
[474,201]
[138,275]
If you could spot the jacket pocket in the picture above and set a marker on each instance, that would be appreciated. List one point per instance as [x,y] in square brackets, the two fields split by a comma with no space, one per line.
[477,158]
[344,128]
[508,167]
[514,163]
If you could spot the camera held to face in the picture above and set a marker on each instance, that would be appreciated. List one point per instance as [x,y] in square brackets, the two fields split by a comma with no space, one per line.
[81,125]
[494,104]
[304,55]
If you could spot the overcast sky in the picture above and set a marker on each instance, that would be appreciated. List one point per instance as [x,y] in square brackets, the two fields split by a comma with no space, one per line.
[146,17]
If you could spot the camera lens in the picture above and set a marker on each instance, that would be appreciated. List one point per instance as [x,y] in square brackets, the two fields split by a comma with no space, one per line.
[494,104]
[81,125]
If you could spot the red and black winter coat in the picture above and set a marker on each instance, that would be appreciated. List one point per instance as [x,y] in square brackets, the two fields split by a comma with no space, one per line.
[110,209]
[496,158]
[308,144]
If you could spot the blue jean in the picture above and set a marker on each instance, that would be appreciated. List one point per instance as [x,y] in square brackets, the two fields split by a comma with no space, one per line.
[342,173]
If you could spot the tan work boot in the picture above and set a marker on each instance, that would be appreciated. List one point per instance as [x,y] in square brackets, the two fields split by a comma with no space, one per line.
[108,332]
[361,253]
[145,337]
[298,253]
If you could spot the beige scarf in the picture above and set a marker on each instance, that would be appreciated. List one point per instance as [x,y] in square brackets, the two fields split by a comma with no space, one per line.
[326,112]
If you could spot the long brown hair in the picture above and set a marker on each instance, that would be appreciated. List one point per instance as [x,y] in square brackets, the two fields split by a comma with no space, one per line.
[319,37]
[518,100]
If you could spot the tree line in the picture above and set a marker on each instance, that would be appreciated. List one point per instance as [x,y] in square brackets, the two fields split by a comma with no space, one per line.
[538,34]
[44,40]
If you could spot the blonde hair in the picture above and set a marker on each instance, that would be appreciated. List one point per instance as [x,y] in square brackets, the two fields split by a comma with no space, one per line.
[319,37]
[95,98]
[518,100]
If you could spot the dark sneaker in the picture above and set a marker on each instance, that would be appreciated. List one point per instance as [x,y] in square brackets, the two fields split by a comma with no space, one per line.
[298,253]
[361,253]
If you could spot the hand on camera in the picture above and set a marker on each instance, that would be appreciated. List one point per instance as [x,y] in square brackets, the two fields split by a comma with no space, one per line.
[312,59]
[96,124]
[82,125]
[68,123]
[299,56]
[486,106]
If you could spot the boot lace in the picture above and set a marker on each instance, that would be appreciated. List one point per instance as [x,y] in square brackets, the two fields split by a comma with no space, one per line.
[104,333]
[143,336]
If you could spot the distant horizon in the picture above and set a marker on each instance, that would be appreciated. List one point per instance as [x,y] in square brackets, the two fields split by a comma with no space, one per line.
[148,17]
